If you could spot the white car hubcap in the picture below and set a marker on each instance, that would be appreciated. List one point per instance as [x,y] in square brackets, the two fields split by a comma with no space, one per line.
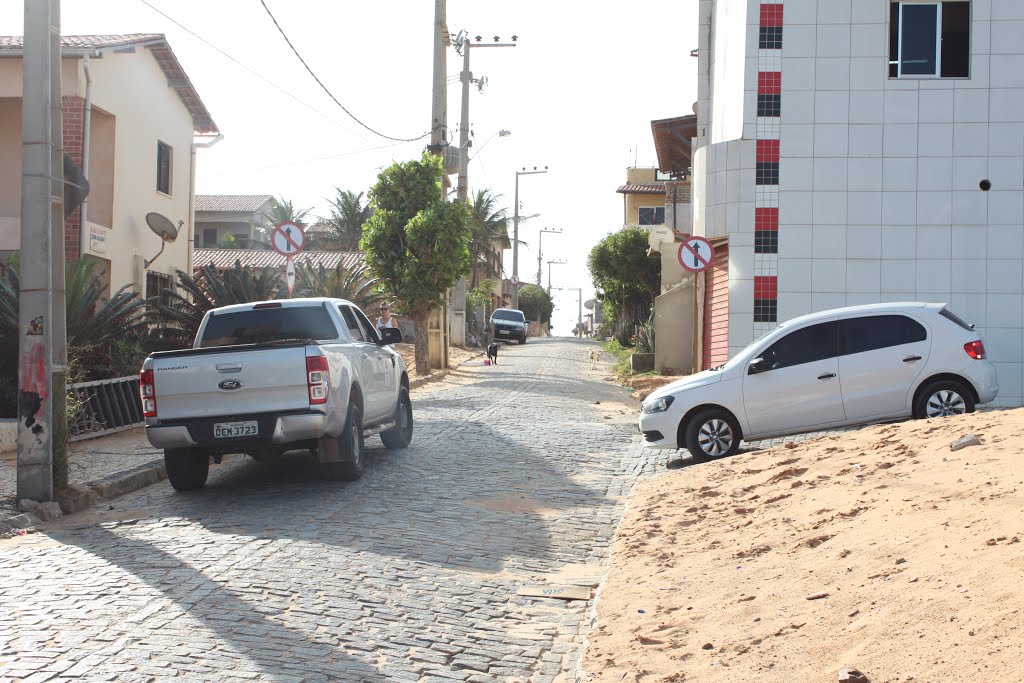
[715,437]
[944,403]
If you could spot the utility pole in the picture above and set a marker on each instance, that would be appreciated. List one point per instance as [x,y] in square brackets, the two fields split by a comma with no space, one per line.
[515,235]
[540,235]
[459,295]
[557,263]
[42,420]
[439,132]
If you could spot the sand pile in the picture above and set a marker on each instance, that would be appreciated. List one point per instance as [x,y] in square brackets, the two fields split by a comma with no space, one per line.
[879,549]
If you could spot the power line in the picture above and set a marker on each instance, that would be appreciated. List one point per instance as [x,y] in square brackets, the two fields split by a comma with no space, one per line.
[329,93]
[250,70]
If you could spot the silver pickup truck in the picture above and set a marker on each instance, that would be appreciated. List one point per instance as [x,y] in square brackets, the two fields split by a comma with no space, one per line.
[275,376]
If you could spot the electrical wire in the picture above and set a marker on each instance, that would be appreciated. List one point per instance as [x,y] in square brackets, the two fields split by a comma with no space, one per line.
[329,93]
[250,70]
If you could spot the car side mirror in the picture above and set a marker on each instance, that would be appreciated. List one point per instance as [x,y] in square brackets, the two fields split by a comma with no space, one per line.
[389,335]
[756,366]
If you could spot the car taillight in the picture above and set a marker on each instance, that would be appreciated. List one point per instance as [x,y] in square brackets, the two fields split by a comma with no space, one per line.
[318,377]
[975,349]
[147,392]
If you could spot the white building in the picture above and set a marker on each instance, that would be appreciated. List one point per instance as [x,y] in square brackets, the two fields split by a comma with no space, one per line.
[856,151]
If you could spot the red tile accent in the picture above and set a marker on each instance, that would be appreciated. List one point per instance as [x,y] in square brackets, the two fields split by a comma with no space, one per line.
[766,287]
[766,219]
[768,151]
[769,83]
[771,15]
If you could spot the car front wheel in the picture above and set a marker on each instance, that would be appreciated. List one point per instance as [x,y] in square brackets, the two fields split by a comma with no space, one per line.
[712,433]
[943,398]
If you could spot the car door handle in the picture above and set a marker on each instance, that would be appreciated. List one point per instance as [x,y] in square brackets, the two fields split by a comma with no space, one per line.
[911,359]
[827,375]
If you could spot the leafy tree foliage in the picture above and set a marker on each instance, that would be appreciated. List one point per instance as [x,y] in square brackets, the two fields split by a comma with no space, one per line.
[535,303]
[180,316]
[281,210]
[627,278]
[416,241]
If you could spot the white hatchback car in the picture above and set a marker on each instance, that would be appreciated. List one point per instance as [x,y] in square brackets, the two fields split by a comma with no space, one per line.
[841,367]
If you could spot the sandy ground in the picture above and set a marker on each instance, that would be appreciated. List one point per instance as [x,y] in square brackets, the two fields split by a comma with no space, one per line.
[879,549]
[456,355]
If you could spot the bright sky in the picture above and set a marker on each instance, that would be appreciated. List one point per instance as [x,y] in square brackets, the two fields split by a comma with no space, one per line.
[578,94]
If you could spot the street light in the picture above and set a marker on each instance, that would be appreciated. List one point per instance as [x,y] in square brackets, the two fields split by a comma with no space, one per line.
[557,263]
[515,235]
[540,235]
[500,134]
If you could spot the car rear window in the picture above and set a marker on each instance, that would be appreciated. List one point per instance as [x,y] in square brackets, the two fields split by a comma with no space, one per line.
[268,324]
[953,317]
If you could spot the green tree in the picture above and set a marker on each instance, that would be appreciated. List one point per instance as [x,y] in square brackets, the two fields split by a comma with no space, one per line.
[488,229]
[348,214]
[281,210]
[355,284]
[535,303]
[416,241]
[180,316]
[626,277]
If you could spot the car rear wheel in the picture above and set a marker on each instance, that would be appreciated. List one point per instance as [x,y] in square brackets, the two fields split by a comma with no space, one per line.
[401,435]
[712,433]
[187,468]
[943,398]
[350,449]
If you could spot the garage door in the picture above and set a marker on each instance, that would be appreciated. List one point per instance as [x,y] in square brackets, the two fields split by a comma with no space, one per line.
[716,309]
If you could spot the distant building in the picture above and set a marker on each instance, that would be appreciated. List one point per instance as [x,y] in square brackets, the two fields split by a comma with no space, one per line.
[238,215]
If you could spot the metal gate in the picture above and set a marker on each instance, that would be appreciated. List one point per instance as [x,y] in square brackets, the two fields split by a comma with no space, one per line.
[105,406]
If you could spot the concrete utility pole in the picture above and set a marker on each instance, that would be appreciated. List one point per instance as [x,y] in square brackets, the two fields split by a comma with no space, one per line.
[540,235]
[439,139]
[515,235]
[42,420]
[459,296]
[550,263]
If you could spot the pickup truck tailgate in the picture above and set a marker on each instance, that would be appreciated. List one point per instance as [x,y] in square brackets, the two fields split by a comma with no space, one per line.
[218,383]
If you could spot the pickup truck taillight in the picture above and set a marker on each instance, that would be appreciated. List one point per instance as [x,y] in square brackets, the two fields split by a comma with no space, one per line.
[318,377]
[147,392]
[975,349]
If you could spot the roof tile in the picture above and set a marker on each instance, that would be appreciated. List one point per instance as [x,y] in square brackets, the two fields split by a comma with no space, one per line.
[227,203]
[259,258]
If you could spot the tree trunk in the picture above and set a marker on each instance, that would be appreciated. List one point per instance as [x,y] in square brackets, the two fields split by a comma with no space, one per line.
[422,339]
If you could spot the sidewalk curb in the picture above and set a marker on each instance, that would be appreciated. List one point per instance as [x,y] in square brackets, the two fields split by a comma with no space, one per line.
[80,497]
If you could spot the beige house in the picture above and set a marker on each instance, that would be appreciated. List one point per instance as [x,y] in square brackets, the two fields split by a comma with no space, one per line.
[220,215]
[131,118]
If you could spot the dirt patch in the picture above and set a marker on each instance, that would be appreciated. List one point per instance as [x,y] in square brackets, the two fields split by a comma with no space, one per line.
[645,385]
[456,356]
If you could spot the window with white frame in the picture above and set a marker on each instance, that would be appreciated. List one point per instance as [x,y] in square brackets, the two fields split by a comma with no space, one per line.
[651,215]
[929,39]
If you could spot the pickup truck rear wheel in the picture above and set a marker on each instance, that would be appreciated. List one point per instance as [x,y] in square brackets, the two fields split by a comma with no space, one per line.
[187,468]
[350,448]
[401,435]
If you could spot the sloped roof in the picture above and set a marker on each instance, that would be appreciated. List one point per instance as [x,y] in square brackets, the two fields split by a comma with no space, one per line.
[156,43]
[259,258]
[231,203]
[642,188]
[673,143]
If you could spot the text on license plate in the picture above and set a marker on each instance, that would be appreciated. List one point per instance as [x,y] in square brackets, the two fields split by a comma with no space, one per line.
[233,430]
[502,331]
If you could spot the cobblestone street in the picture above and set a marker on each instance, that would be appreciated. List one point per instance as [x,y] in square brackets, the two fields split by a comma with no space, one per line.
[515,476]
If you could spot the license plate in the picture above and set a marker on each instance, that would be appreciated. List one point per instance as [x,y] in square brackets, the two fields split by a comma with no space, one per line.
[233,430]
[502,331]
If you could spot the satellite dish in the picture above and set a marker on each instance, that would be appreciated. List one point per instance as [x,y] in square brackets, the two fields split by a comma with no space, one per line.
[164,228]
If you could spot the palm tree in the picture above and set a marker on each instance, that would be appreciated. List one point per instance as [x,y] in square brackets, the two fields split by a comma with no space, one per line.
[355,284]
[93,323]
[488,230]
[196,294]
[348,213]
[281,210]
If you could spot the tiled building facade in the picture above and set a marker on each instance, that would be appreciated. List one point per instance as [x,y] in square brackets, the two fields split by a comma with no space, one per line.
[857,151]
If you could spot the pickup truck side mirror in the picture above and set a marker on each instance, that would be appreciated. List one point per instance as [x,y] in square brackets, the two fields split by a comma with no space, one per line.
[389,335]
[756,366]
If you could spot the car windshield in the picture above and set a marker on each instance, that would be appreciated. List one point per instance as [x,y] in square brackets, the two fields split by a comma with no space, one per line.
[516,316]
[268,324]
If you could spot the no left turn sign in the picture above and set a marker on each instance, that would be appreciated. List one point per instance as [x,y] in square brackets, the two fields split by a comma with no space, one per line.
[696,254]
[288,238]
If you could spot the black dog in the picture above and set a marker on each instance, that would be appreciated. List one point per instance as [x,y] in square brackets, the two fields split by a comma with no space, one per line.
[492,353]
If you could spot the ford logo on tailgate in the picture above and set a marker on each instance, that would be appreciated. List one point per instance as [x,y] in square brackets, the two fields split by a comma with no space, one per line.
[230,385]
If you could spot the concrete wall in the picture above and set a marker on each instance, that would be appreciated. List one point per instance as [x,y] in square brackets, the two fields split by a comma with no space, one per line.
[673,329]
